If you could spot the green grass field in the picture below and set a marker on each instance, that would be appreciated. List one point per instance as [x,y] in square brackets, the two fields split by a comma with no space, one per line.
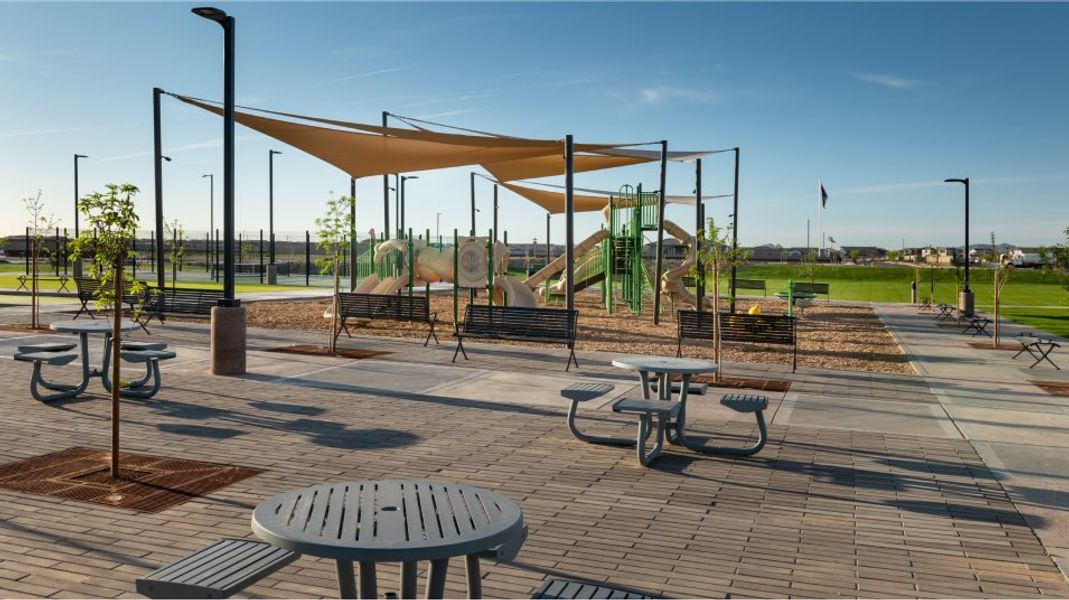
[1031,297]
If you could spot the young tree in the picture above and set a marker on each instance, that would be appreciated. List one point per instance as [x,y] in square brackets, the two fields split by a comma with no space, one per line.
[999,278]
[854,256]
[783,255]
[111,229]
[334,241]
[807,267]
[39,223]
[717,256]
[178,248]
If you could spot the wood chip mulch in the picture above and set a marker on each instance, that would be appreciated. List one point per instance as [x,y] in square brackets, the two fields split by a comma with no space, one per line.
[1054,388]
[831,336]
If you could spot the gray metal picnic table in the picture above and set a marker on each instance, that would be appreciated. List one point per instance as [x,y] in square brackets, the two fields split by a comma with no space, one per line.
[662,368]
[402,521]
[84,329]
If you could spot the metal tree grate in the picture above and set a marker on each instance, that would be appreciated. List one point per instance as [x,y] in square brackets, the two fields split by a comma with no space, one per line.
[146,483]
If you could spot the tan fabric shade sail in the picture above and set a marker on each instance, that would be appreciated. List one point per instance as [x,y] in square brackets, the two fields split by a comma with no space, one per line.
[553,202]
[545,166]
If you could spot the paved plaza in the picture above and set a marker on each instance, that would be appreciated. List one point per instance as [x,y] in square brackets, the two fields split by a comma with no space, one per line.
[950,483]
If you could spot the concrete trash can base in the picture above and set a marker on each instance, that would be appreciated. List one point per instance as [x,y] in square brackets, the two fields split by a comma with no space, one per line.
[228,340]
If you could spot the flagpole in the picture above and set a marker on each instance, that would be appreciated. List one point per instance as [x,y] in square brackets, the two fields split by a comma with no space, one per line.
[820,214]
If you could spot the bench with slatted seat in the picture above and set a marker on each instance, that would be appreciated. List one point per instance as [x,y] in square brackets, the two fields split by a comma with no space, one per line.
[197,302]
[761,329]
[560,589]
[752,284]
[977,325]
[55,358]
[87,292]
[693,325]
[25,281]
[746,403]
[393,307]
[218,571]
[521,324]
[820,289]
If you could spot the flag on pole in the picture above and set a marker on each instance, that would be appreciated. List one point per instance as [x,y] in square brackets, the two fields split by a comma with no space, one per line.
[823,195]
[832,240]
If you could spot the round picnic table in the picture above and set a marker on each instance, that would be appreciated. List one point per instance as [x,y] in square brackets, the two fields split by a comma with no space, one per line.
[84,329]
[662,368]
[402,521]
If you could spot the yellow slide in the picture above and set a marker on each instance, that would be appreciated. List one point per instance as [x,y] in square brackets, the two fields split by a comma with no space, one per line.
[518,294]
[557,265]
[672,280]
[391,285]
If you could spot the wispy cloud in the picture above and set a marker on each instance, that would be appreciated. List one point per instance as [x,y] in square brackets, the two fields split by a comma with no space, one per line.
[214,143]
[662,94]
[32,132]
[448,113]
[915,185]
[367,74]
[888,81]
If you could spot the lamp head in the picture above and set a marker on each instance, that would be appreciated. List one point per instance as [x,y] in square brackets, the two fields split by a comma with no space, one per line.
[274,152]
[956,180]
[211,13]
[410,177]
[77,156]
[212,175]
[166,158]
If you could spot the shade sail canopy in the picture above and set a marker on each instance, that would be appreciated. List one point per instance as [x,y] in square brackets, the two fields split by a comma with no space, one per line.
[545,166]
[651,155]
[588,201]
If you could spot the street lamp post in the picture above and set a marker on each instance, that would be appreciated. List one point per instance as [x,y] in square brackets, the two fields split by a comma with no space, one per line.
[401,217]
[228,319]
[77,263]
[438,226]
[211,224]
[965,297]
[272,271]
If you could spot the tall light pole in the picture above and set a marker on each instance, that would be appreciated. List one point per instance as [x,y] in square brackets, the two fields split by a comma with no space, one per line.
[228,319]
[272,271]
[77,263]
[401,217]
[735,229]
[438,226]
[211,221]
[965,299]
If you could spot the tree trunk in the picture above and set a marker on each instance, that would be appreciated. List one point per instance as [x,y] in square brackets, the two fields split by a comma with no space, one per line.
[716,318]
[335,305]
[116,384]
[998,292]
[33,285]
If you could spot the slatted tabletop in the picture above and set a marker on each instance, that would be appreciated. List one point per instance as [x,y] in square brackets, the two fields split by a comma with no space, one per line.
[664,364]
[101,326]
[388,520]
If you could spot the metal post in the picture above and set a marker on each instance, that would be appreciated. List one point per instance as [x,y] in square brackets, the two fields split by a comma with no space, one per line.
[215,265]
[133,243]
[735,230]
[307,257]
[271,204]
[208,253]
[472,204]
[261,257]
[27,246]
[548,215]
[569,216]
[55,260]
[967,290]
[660,237]
[66,256]
[352,233]
[397,204]
[229,298]
[699,225]
[157,145]
[495,212]
[385,193]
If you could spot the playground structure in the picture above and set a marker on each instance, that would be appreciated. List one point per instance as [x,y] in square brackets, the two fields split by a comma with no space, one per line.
[614,255]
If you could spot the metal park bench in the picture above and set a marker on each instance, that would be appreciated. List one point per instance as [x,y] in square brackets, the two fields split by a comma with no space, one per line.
[814,288]
[946,311]
[751,284]
[515,323]
[977,325]
[182,301]
[395,307]
[218,571]
[1037,347]
[25,280]
[693,325]
[760,329]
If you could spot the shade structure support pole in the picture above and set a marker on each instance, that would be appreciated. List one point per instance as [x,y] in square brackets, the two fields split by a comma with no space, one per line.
[352,233]
[735,230]
[157,155]
[495,212]
[660,236]
[385,193]
[569,218]
[698,226]
[228,166]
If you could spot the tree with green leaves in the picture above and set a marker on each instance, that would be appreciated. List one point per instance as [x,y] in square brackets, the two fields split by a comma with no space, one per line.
[807,267]
[716,255]
[999,278]
[893,255]
[854,256]
[39,223]
[1055,260]
[334,240]
[178,247]
[108,237]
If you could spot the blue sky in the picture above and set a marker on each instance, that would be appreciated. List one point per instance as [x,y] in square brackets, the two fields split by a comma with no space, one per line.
[881,101]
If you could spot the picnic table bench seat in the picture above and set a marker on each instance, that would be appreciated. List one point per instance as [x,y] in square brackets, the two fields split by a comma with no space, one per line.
[647,410]
[572,590]
[48,347]
[52,358]
[217,571]
[585,392]
[515,323]
[394,307]
[24,280]
[150,383]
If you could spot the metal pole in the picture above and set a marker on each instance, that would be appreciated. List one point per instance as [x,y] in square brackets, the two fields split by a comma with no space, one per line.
[735,230]
[967,290]
[548,215]
[271,204]
[385,193]
[261,257]
[307,257]
[352,233]
[699,225]
[660,236]
[569,219]
[472,204]
[401,218]
[157,145]
[76,157]
[397,204]
[229,298]
[808,247]
[495,212]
